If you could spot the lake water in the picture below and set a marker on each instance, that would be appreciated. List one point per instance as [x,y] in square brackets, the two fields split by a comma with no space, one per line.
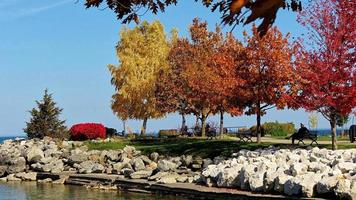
[36,191]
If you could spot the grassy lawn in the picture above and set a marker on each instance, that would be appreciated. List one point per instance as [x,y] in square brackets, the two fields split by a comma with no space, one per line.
[320,138]
[197,147]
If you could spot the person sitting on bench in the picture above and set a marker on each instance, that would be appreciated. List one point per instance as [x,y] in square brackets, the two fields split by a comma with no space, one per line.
[302,132]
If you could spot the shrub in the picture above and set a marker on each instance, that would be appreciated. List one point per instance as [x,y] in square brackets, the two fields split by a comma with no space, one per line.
[279,129]
[253,130]
[87,131]
[132,136]
[168,133]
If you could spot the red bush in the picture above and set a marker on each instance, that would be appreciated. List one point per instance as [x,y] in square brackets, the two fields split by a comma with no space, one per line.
[87,131]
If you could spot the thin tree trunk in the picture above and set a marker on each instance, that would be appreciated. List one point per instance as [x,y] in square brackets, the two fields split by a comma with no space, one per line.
[333,132]
[221,123]
[258,123]
[144,126]
[196,120]
[183,121]
[203,122]
[124,125]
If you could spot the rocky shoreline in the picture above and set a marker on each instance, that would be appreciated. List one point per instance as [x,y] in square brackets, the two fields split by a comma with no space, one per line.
[310,173]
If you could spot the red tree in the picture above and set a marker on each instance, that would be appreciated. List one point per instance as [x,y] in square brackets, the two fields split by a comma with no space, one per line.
[268,72]
[224,63]
[328,68]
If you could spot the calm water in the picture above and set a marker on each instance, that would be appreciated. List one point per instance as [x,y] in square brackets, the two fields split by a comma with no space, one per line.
[34,191]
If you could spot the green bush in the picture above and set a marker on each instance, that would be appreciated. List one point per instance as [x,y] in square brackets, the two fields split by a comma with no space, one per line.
[168,133]
[131,136]
[279,129]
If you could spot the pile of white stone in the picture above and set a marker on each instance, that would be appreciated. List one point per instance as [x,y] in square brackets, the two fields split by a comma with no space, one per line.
[20,161]
[312,172]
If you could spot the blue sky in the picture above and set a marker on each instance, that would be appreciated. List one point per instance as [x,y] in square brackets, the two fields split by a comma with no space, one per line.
[61,46]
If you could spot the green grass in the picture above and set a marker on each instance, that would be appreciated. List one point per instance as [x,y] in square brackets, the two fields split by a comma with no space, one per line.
[320,138]
[196,147]
[328,138]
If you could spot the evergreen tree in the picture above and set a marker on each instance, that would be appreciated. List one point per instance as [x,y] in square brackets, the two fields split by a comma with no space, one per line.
[45,120]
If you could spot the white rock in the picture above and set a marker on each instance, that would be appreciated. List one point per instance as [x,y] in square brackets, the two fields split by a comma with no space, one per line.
[246,172]
[298,169]
[256,181]
[343,189]
[308,182]
[345,167]
[35,154]
[292,187]
[228,177]
[280,181]
[326,184]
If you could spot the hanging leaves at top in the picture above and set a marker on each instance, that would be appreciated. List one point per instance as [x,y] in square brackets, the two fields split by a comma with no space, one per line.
[231,10]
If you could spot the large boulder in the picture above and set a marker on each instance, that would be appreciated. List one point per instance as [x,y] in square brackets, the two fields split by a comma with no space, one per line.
[3,170]
[86,167]
[280,181]
[154,156]
[35,154]
[30,176]
[16,165]
[343,189]
[142,174]
[228,177]
[165,165]
[308,183]
[345,167]
[245,174]
[113,155]
[326,185]
[98,168]
[138,164]
[77,158]
[292,187]
[170,178]
[298,169]
[256,181]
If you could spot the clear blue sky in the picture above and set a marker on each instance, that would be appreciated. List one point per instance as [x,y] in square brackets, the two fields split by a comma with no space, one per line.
[61,46]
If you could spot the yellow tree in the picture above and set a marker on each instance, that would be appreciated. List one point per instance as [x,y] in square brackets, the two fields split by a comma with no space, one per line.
[142,53]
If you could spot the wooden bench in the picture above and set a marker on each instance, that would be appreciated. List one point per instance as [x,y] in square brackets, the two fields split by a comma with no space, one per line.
[244,136]
[311,136]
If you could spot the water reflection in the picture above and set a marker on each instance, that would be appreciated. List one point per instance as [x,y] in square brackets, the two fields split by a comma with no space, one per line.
[34,191]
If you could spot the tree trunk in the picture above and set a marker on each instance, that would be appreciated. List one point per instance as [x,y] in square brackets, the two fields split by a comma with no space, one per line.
[144,126]
[258,128]
[203,122]
[221,123]
[196,120]
[124,125]
[183,121]
[333,132]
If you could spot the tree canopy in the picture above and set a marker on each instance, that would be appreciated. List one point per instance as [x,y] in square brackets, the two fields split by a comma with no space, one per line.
[232,11]
[45,120]
[328,67]
[142,53]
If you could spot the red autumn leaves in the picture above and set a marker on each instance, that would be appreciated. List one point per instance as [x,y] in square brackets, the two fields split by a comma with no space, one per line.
[214,73]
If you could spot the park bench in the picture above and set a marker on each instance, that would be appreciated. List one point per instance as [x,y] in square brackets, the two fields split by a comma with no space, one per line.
[211,133]
[311,136]
[244,135]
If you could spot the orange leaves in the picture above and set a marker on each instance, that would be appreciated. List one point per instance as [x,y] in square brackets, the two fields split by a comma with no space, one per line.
[236,5]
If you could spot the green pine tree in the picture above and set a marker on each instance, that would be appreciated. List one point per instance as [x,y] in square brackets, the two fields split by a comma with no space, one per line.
[45,120]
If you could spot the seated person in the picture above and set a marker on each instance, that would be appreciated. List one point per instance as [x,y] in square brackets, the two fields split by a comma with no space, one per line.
[303,131]
[185,130]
